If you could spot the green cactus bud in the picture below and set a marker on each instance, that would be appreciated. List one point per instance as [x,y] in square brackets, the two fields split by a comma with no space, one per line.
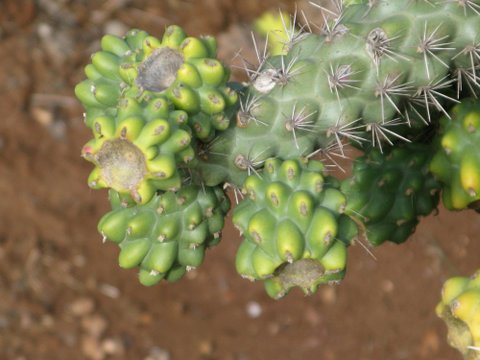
[161,256]
[290,241]
[149,277]
[106,64]
[132,252]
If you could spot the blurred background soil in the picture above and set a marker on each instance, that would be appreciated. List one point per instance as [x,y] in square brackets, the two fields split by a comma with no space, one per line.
[62,294]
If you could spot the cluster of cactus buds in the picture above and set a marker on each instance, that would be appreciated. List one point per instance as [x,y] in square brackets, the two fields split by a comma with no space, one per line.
[293,223]
[397,80]
[460,309]
[168,235]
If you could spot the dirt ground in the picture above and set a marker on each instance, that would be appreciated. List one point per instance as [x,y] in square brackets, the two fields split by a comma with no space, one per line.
[62,294]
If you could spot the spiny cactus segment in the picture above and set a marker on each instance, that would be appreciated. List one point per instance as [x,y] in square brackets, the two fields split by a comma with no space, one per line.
[460,309]
[377,74]
[170,132]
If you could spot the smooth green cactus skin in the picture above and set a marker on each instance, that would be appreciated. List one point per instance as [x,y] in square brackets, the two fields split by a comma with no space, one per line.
[457,160]
[168,235]
[460,309]
[295,233]
[388,192]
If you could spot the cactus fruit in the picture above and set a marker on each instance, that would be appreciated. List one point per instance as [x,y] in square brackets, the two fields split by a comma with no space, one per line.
[169,235]
[460,309]
[294,231]
[389,191]
[457,161]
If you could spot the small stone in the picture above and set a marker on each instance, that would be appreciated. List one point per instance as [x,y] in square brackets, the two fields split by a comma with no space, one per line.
[82,306]
[157,353]
[109,290]
[92,349]
[115,27]
[387,286]
[328,294]
[254,310]
[430,344]
[42,116]
[113,346]
[94,325]
[206,347]
[47,321]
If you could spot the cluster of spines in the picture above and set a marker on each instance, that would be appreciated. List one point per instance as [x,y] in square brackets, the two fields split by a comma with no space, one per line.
[457,161]
[389,192]
[460,309]
[295,233]
[169,235]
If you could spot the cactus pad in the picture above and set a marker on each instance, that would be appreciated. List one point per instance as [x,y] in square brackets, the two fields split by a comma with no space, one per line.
[460,309]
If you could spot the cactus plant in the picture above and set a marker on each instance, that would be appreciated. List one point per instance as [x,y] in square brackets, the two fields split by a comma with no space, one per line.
[169,125]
